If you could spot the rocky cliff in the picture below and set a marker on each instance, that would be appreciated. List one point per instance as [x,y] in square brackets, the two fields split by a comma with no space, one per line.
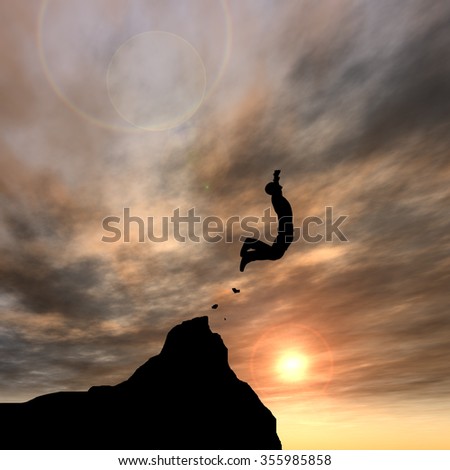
[186,397]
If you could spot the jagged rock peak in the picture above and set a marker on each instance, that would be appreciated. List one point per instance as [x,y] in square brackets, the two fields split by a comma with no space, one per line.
[191,349]
[194,337]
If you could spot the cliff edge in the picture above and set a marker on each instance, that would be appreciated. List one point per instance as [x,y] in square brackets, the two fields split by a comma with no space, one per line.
[187,397]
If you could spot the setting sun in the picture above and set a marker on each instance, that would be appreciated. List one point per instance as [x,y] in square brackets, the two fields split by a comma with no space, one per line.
[292,366]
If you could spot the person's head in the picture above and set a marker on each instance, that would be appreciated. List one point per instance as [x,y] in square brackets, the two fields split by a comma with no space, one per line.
[273,188]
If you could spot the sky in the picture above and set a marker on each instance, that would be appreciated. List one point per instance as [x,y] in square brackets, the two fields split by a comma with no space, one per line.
[147,109]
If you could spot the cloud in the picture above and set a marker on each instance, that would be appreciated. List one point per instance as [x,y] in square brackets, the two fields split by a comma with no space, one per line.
[378,85]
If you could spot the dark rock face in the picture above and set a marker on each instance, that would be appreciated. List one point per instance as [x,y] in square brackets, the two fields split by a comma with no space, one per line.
[186,397]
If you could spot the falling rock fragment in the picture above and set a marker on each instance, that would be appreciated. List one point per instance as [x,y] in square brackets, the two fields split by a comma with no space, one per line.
[214,306]
[236,291]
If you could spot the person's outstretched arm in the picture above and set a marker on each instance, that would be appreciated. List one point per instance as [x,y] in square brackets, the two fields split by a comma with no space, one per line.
[276,176]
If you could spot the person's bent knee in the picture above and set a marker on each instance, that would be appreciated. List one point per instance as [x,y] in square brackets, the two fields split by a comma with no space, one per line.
[276,254]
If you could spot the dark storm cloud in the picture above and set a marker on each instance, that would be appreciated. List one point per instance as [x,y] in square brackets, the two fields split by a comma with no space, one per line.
[389,83]
[43,288]
[40,220]
[73,360]
[415,92]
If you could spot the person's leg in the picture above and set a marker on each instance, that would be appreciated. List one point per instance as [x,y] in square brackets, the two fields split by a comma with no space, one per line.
[254,244]
[259,251]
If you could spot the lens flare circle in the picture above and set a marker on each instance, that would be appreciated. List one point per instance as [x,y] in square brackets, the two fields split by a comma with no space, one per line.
[78,38]
[156,80]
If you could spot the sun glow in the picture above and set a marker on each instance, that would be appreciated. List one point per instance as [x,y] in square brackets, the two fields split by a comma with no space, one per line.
[292,367]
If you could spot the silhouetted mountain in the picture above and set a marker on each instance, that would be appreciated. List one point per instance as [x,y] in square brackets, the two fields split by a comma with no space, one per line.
[186,397]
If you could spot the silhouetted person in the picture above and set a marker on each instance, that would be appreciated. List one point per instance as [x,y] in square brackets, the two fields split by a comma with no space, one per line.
[254,249]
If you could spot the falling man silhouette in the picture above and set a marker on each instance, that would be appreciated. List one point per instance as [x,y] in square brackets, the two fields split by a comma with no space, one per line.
[254,249]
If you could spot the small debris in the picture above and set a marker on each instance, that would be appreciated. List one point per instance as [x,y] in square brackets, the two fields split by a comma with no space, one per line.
[225,318]
[214,306]
[236,291]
